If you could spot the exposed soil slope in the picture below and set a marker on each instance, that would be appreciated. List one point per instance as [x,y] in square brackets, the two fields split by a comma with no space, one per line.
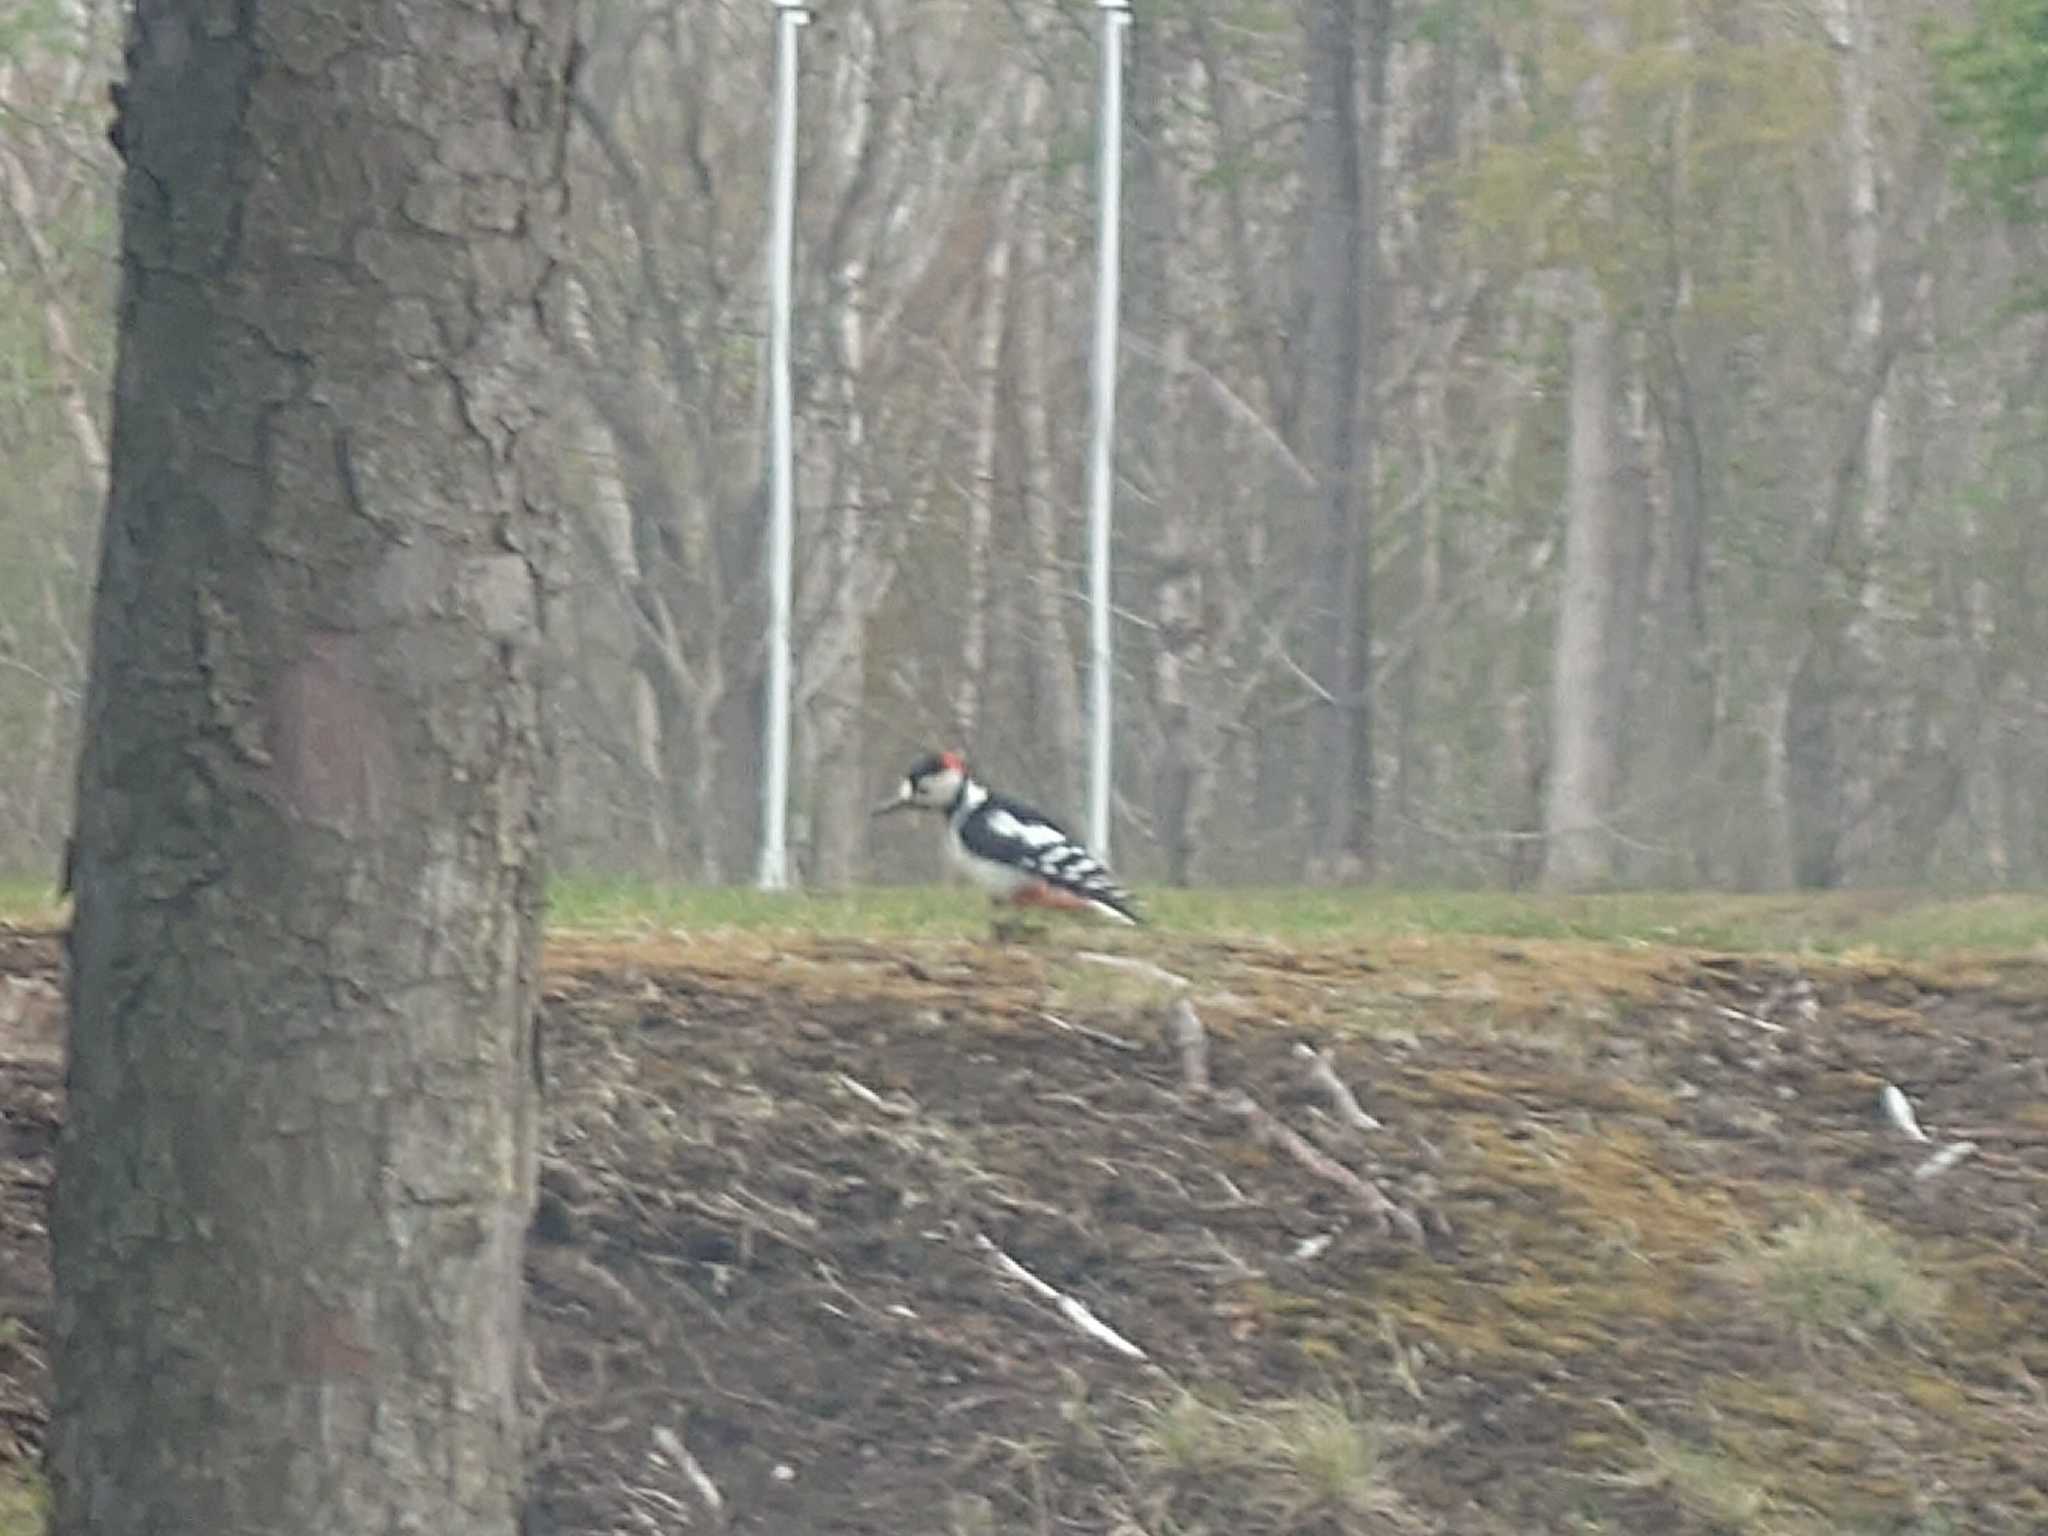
[786,1182]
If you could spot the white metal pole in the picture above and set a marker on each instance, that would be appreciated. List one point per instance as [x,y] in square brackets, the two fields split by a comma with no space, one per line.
[774,875]
[1109,154]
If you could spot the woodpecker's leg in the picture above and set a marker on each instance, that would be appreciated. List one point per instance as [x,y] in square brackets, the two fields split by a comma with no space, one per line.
[1014,928]
[1010,922]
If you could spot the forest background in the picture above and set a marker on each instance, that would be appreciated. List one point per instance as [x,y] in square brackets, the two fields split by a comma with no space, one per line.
[1579,442]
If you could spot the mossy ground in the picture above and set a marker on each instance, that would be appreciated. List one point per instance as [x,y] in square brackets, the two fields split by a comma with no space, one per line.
[777,1155]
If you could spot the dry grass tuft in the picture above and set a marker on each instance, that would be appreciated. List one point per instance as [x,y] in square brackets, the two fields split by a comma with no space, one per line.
[24,1502]
[1297,1453]
[1838,1272]
[1707,1484]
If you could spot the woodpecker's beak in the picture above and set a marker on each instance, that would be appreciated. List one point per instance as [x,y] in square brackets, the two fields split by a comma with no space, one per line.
[900,801]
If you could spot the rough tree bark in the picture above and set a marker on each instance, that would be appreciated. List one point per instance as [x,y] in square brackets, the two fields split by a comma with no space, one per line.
[298,1163]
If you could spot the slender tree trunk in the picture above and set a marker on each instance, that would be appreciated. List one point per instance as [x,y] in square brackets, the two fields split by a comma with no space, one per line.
[981,489]
[1056,692]
[839,815]
[1578,849]
[298,1160]
[1359,830]
[1334,276]
[1684,679]
[68,366]
[1831,743]
[1582,763]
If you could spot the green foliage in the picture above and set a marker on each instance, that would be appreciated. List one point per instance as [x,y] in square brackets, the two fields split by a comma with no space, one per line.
[1993,91]
[31,23]
[1656,150]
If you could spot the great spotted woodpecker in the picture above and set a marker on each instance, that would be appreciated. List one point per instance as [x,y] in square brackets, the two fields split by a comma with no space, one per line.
[1020,855]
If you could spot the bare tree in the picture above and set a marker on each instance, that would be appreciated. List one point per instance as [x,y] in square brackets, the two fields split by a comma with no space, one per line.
[1334,278]
[1362,544]
[1584,746]
[298,1160]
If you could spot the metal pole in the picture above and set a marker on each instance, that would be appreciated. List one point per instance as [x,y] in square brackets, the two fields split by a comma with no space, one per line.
[1109,154]
[774,875]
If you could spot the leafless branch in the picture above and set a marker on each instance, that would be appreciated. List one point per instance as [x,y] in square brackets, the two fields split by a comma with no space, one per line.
[1269,1131]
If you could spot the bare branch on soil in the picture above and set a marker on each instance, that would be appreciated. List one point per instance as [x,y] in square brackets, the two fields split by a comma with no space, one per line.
[1271,1132]
[1944,1160]
[1185,1034]
[874,1100]
[1073,1311]
[1322,1074]
[1086,1032]
[1899,1110]
[670,1444]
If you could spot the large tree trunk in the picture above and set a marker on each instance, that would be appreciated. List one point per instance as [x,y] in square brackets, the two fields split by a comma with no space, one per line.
[298,1163]
[981,489]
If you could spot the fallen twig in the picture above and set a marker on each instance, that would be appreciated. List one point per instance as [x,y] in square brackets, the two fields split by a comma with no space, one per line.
[1073,1311]
[1323,1074]
[1945,1159]
[670,1444]
[1271,1132]
[1755,1020]
[868,1096]
[667,1503]
[1135,966]
[1099,1036]
[1899,1110]
[1185,1034]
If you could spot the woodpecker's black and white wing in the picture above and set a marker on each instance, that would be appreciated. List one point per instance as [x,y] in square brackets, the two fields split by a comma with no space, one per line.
[1015,847]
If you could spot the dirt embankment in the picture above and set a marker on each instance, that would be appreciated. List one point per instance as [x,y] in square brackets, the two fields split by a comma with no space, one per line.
[905,1237]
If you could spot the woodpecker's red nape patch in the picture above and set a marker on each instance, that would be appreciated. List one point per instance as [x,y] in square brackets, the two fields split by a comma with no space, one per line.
[954,761]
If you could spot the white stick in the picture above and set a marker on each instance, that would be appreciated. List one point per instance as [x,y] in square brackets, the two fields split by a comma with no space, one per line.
[1099,1036]
[670,1444]
[1944,1160]
[1323,1074]
[874,1100]
[863,1092]
[1749,1018]
[1073,1311]
[1899,1110]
